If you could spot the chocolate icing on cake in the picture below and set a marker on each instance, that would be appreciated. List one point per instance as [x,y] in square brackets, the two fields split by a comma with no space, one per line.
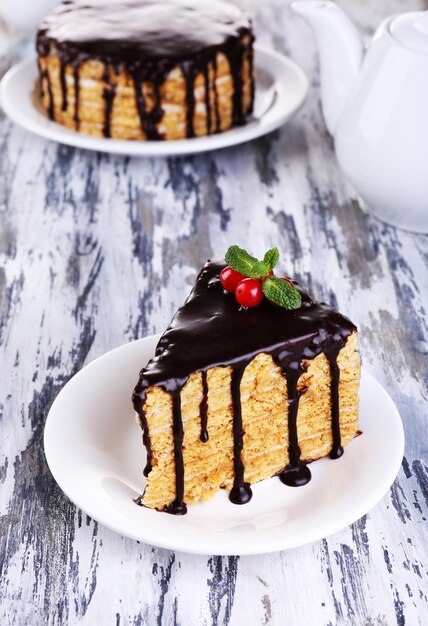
[149,38]
[211,330]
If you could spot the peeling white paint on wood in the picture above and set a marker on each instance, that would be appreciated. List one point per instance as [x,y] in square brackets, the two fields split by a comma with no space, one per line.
[98,250]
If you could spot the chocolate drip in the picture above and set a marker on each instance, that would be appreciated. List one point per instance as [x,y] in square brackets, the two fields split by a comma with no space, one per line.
[63,65]
[138,402]
[210,330]
[241,491]
[141,106]
[297,473]
[45,81]
[153,74]
[203,408]
[51,109]
[149,38]
[146,442]
[157,112]
[76,118]
[189,74]
[177,507]
[251,62]
[336,449]
[235,56]
[109,93]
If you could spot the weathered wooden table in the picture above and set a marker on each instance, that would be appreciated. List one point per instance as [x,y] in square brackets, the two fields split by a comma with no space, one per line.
[98,250]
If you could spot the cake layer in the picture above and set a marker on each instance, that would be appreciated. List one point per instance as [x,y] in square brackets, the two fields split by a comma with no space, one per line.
[123,70]
[209,465]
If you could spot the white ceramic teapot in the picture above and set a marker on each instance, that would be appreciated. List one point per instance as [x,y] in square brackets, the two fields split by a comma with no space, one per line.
[375,104]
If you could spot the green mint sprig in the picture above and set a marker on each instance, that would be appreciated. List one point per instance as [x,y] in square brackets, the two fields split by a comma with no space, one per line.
[278,290]
[239,260]
[281,292]
[271,258]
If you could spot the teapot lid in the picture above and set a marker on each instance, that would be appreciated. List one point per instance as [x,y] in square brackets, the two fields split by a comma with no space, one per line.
[411,29]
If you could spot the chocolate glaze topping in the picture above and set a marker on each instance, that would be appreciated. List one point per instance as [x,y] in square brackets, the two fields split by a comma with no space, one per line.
[149,38]
[211,330]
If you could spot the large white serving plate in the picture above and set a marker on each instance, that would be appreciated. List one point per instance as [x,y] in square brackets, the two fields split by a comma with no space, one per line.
[281,88]
[93,448]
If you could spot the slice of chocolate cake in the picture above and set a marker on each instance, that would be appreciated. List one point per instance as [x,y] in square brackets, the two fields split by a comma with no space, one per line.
[235,395]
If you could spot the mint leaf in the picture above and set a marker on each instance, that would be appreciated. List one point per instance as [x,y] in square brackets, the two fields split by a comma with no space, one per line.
[281,292]
[242,262]
[271,258]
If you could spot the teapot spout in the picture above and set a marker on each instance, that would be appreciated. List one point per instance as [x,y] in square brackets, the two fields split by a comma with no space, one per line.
[341,50]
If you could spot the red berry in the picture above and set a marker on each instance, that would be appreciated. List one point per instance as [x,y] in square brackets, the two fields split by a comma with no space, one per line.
[249,292]
[230,279]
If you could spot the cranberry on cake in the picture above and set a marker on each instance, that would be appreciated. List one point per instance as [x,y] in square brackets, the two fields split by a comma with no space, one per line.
[146,69]
[251,379]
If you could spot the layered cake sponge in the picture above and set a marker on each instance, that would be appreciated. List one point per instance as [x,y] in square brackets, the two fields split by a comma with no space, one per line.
[146,69]
[235,396]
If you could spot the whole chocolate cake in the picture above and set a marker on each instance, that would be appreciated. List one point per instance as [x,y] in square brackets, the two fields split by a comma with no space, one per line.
[146,69]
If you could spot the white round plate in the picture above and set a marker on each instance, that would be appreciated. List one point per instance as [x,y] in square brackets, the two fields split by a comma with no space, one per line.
[94,451]
[281,88]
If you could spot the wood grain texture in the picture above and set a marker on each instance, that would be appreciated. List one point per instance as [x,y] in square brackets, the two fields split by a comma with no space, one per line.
[97,250]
